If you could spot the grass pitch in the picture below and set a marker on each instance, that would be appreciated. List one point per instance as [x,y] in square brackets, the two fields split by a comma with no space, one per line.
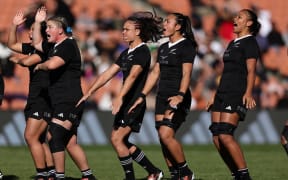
[265,162]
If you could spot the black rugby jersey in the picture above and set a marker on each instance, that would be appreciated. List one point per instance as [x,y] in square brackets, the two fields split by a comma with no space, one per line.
[65,85]
[170,61]
[38,79]
[139,56]
[37,76]
[234,76]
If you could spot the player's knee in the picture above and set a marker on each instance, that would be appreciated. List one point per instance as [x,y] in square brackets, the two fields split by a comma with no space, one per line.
[165,135]
[59,137]
[128,144]
[226,128]
[214,129]
[31,137]
[27,137]
[115,139]
[165,138]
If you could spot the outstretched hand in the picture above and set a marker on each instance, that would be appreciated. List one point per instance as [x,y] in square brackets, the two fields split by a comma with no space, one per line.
[41,14]
[19,18]
[14,59]
[209,104]
[136,103]
[83,99]
[37,67]
[248,101]
[175,100]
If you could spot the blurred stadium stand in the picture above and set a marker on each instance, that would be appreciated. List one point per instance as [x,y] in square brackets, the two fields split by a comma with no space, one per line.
[97,27]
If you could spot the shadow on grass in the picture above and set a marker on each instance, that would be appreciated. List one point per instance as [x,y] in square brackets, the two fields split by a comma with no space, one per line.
[146,178]
[32,177]
[10,177]
[165,178]
[72,178]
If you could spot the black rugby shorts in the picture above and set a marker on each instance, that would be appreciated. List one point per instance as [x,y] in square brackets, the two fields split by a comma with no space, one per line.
[230,103]
[133,119]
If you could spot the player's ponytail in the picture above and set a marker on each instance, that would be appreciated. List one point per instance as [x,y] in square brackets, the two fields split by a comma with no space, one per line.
[186,27]
[255,27]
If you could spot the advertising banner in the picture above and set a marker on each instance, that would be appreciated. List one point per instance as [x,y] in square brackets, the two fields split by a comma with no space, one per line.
[259,127]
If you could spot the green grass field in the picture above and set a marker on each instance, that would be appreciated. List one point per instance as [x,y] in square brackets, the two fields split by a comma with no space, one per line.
[265,162]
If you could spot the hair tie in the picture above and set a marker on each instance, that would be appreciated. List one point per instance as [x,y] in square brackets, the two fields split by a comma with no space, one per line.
[69,29]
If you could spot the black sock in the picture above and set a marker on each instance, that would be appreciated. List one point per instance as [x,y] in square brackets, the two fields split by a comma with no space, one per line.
[173,172]
[140,157]
[233,174]
[51,170]
[243,174]
[41,172]
[127,165]
[184,169]
[285,146]
[86,173]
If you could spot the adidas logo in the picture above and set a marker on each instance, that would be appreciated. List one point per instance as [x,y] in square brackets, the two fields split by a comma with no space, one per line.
[60,115]
[228,108]
[36,114]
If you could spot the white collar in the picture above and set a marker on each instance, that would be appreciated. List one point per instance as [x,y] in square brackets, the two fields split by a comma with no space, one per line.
[173,44]
[131,50]
[62,41]
[237,39]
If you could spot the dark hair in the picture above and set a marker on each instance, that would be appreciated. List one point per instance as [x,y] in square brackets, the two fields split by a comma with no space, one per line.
[255,27]
[149,25]
[62,22]
[186,27]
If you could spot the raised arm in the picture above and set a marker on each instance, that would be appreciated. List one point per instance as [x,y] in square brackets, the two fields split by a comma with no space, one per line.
[12,43]
[37,37]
